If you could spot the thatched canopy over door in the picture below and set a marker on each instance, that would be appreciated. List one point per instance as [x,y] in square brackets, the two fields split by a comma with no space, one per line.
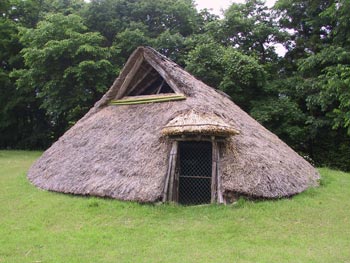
[198,123]
[194,164]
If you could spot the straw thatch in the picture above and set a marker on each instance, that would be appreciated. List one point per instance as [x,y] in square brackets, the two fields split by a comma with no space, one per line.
[119,151]
[193,122]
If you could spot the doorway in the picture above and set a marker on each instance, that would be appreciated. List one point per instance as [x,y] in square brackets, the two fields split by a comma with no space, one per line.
[194,172]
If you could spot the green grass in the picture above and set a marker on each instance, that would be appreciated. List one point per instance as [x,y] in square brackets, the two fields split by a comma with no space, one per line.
[40,226]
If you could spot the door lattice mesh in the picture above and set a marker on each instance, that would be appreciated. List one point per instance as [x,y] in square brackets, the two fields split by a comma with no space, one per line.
[195,172]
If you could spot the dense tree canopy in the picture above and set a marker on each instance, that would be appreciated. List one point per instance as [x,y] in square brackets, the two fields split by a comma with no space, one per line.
[66,67]
[228,69]
[58,57]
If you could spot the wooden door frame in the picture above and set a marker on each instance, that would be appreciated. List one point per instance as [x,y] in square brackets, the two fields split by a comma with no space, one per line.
[171,183]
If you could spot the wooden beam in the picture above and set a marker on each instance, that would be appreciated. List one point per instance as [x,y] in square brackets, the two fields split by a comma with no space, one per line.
[214,172]
[149,83]
[173,154]
[152,88]
[176,179]
[185,138]
[145,100]
[129,77]
[167,176]
[143,76]
[219,184]
[152,96]
[114,89]
[160,87]
[162,72]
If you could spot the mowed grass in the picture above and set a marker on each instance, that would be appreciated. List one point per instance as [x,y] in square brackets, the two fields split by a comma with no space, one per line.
[41,226]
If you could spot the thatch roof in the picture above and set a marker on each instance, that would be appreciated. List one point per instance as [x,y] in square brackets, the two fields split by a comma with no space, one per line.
[119,151]
[193,122]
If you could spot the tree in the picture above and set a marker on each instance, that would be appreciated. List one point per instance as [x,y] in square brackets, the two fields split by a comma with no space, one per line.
[308,29]
[178,16]
[205,62]
[317,65]
[252,29]
[240,76]
[22,123]
[172,45]
[67,68]
[111,17]
[329,67]
[108,17]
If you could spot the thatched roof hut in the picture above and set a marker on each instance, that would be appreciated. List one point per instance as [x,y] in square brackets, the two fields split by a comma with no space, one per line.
[161,134]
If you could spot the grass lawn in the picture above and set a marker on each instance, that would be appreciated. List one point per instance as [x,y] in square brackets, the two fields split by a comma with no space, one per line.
[40,226]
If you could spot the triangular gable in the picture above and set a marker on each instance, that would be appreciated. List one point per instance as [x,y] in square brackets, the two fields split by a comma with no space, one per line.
[145,73]
[145,77]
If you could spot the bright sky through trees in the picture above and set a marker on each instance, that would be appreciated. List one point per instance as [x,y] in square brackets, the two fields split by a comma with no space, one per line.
[218,5]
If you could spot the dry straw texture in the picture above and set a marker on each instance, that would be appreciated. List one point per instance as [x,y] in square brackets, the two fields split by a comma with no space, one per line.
[118,151]
[193,122]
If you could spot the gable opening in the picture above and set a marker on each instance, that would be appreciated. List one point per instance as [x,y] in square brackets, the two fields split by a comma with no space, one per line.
[150,87]
[147,81]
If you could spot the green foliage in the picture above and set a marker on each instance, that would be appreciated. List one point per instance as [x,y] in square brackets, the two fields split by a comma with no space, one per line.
[67,67]
[22,124]
[108,17]
[239,75]
[309,28]
[329,70]
[332,149]
[29,12]
[205,62]
[111,17]
[284,117]
[244,78]
[252,29]
[171,45]
[318,63]
[127,41]
[161,15]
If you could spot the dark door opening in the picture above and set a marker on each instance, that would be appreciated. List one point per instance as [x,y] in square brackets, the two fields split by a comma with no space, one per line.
[195,172]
